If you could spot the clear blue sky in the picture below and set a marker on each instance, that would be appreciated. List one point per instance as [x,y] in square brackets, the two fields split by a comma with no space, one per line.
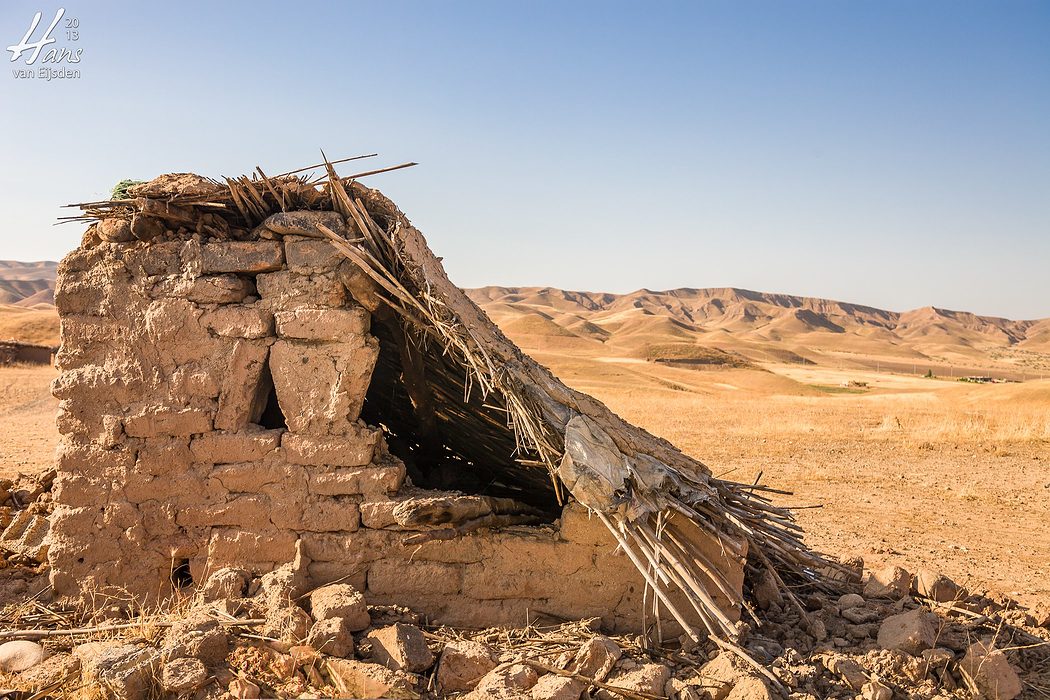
[889,153]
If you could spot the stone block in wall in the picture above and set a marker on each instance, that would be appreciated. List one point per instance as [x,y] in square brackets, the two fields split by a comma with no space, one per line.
[235,546]
[74,457]
[241,256]
[311,255]
[219,289]
[195,380]
[329,515]
[222,447]
[155,421]
[323,324]
[174,334]
[87,423]
[354,449]
[240,398]
[157,258]
[358,481]
[406,577]
[239,321]
[253,476]
[321,573]
[287,289]
[181,488]
[246,511]
[353,548]
[321,388]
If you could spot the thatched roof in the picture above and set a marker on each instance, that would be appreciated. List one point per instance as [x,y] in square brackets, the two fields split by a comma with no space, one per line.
[651,496]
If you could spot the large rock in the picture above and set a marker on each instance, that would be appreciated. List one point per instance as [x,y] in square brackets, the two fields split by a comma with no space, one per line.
[20,655]
[401,647]
[936,586]
[288,623]
[59,668]
[554,687]
[889,582]
[750,688]
[183,675]
[124,672]
[364,680]
[910,632]
[507,683]
[645,678]
[224,584]
[596,658]
[196,636]
[332,636]
[990,673]
[340,600]
[462,665]
[718,676]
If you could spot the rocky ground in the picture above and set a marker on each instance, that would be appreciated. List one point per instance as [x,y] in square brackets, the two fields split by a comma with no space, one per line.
[891,635]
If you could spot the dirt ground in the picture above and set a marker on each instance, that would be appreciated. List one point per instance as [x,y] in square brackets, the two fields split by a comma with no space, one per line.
[918,472]
[27,410]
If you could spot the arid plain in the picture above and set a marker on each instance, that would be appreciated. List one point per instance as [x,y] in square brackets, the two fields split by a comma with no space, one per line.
[826,400]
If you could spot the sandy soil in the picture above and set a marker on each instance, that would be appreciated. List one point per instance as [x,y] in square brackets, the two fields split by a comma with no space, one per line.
[918,472]
[27,410]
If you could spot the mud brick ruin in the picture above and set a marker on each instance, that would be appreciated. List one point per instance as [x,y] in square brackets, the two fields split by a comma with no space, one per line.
[297,380]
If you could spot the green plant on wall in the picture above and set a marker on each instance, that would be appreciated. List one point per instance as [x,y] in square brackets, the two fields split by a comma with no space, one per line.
[120,190]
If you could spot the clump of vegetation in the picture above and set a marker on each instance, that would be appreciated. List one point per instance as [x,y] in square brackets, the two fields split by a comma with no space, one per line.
[120,190]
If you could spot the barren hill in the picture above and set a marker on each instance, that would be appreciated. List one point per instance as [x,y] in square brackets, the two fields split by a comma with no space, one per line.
[27,297]
[766,327]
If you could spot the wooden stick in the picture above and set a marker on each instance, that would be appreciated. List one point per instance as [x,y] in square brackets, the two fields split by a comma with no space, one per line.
[45,634]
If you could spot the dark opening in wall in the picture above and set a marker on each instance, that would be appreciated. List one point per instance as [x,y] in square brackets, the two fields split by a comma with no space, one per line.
[449,438]
[180,575]
[266,411]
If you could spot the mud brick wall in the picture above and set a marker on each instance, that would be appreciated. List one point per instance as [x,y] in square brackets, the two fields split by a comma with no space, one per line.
[170,355]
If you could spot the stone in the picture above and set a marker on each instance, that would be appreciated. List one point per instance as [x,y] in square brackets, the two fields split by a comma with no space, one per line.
[20,655]
[176,422]
[890,582]
[243,689]
[114,230]
[290,624]
[718,676]
[124,672]
[395,577]
[462,665]
[304,223]
[312,256]
[876,690]
[850,600]
[367,680]
[351,450]
[225,583]
[59,668]
[750,687]
[196,636]
[1040,613]
[910,632]
[646,678]
[322,324]
[226,448]
[219,289]
[936,586]
[401,647]
[321,388]
[239,321]
[596,658]
[553,687]
[990,673]
[332,636]
[847,669]
[859,615]
[507,683]
[343,601]
[183,675]
[358,481]
[285,289]
[241,400]
[241,256]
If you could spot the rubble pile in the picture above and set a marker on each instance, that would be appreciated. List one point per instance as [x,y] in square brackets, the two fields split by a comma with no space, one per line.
[244,636]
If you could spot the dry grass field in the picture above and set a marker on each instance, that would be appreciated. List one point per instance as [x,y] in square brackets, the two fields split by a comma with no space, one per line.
[925,472]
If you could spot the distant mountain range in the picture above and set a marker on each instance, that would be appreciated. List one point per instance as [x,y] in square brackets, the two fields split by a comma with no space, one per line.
[27,284]
[676,324]
[762,327]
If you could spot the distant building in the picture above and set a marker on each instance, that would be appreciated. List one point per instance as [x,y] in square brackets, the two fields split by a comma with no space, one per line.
[13,351]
